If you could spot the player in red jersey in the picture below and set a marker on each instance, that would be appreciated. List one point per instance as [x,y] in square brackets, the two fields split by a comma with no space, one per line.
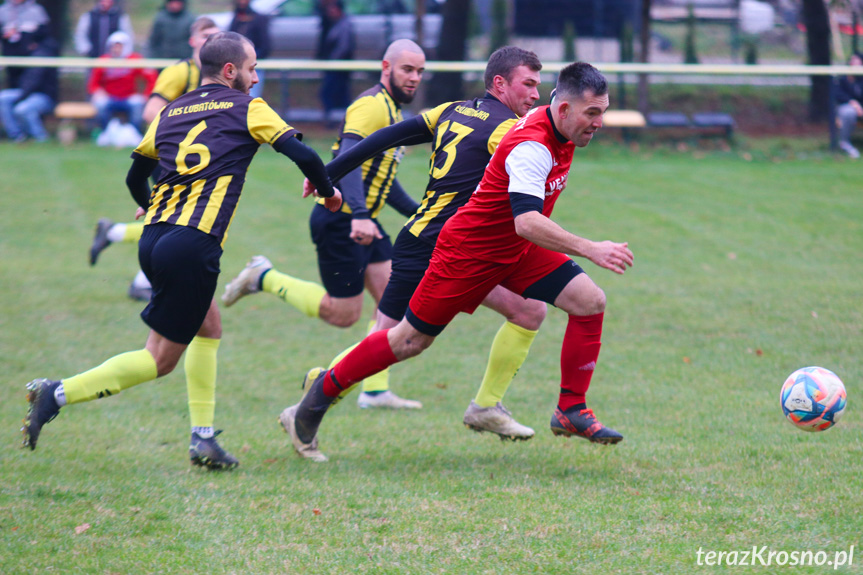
[503,236]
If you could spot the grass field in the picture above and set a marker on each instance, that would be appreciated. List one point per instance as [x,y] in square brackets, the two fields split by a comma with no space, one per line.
[747,268]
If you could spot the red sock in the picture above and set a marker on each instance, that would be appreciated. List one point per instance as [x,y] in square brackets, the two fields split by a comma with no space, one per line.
[578,357]
[370,356]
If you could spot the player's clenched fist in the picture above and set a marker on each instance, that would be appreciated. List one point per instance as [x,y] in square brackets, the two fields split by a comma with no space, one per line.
[333,203]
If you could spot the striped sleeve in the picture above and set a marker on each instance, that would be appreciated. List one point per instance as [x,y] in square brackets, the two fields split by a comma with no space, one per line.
[265,125]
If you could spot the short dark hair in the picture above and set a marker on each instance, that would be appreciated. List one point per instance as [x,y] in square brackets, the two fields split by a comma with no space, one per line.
[504,61]
[580,77]
[220,49]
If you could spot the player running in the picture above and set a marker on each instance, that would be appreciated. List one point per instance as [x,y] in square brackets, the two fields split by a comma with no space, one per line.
[173,82]
[503,236]
[204,142]
[353,250]
[465,135]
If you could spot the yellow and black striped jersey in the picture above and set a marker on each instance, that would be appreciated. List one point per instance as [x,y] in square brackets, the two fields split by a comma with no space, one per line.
[467,131]
[372,110]
[177,79]
[205,141]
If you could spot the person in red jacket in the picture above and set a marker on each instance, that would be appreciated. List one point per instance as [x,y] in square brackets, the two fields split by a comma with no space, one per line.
[120,90]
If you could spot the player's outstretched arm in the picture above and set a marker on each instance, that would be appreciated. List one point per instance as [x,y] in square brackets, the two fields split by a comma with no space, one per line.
[309,162]
[535,227]
[405,133]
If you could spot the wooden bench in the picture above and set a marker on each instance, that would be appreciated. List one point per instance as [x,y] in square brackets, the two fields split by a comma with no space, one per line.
[626,120]
[680,125]
[703,124]
[71,115]
[667,120]
[723,122]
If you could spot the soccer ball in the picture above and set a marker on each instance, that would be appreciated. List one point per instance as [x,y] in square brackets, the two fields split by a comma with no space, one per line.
[813,398]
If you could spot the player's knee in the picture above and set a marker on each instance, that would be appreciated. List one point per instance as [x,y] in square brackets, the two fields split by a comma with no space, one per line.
[407,342]
[410,348]
[594,302]
[165,365]
[588,300]
[340,314]
[341,320]
[530,316]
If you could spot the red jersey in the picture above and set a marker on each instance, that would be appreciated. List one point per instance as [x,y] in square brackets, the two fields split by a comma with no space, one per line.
[122,82]
[532,158]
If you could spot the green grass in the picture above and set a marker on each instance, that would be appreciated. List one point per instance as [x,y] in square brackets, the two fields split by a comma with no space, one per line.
[747,267]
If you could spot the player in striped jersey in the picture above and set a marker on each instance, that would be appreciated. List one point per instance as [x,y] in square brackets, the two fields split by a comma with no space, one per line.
[204,142]
[353,250]
[174,81]
[464,134]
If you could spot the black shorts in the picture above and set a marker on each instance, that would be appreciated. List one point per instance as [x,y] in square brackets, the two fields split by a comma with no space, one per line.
[342,262]
[182,263]
[411,258]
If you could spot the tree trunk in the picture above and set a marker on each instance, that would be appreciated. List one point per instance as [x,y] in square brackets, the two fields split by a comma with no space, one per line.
[58,12]
[644,58]
[419,16]
[447,86]
[817,22]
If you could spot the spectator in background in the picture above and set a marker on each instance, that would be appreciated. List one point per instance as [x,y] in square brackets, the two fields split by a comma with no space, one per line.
[120,90]
[22,108]
[849,105]
[171,29]
[95,26]
[255,27]
[24,25]
[337,43]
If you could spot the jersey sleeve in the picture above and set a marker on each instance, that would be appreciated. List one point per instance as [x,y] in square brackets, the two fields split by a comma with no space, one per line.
[171,83]
[147,147]
[432,117]
[365,116]
[528,165]
[265,125]
[498,134]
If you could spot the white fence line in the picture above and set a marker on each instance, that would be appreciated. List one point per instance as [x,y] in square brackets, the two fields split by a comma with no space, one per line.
[477,66]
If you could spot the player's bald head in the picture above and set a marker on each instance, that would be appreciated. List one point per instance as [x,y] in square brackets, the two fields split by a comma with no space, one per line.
[396,49]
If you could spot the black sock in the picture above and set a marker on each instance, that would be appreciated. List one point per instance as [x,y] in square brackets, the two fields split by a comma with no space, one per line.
[311,411]
[577,407]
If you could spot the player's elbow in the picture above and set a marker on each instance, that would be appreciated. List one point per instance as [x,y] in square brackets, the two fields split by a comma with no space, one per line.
[526,224]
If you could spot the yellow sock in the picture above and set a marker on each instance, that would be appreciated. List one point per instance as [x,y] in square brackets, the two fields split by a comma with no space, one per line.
[377,382]
[200,367]
[508,352]
[116,374]
[133,232]
[303,295]
[339,357]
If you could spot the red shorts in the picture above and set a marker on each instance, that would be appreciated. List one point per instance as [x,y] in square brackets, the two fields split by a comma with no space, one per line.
[457,282]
